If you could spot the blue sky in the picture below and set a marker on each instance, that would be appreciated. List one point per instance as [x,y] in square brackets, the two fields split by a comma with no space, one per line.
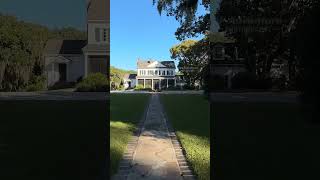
[137,29]
[52,13]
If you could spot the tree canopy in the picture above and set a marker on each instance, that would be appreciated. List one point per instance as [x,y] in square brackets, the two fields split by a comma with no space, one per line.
[21,50]
[185,12]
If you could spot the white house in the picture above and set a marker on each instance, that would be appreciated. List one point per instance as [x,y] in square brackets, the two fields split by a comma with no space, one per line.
[156,74]
[129,80]
[70,60]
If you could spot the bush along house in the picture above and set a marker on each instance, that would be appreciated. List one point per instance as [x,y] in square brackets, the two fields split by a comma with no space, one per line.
[71,60]
[156,75]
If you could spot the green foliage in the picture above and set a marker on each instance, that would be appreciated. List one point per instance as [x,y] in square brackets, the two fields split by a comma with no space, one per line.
[116,76]
[139,87]
[37,83]
[69,33]
[96,82]
[21,51]
[192,23]
[193,57]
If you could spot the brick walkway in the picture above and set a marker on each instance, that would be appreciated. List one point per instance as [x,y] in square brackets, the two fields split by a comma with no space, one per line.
[154,157]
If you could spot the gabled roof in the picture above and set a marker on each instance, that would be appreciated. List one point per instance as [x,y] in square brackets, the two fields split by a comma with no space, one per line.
[57,46]
[130,76]
[98,10]
[146,64]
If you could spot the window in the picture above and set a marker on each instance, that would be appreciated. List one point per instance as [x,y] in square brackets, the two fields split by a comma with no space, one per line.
[159,72]
[167,73]
[156,72]
[163,73]
[104,35]
[144,72]
[97,34]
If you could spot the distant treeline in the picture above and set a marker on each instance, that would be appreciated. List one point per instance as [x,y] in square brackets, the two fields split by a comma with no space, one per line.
[21,51]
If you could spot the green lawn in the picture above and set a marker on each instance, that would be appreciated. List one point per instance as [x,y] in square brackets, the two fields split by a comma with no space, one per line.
[53,139]
[126,111]
[263,141]
[189,115]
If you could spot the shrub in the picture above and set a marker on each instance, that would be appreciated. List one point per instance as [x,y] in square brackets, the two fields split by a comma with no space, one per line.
[37,83]
[96,82]
[138,87]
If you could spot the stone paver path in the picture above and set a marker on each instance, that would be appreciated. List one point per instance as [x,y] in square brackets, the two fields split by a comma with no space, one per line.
[154,157]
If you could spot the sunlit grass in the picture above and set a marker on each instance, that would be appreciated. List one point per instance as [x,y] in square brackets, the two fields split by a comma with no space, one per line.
[120,134]
[126,111]
[189,115]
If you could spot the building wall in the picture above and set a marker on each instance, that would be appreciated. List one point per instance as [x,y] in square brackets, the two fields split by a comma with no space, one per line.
[98,63]
[75,68]
[141,71]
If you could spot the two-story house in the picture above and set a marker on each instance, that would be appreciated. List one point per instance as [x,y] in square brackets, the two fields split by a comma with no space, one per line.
[70,60]
[156,74]
[97,51]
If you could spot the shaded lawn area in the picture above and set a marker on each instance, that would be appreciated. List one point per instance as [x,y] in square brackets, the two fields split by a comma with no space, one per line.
[53,139]
[263,141]
[126,111]
[189,116]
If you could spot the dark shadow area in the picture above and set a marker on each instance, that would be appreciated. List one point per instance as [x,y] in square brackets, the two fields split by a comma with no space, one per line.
[54,140]
[263,141]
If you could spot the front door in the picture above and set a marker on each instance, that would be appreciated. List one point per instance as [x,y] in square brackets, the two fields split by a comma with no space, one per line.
[62,72]
[156,84]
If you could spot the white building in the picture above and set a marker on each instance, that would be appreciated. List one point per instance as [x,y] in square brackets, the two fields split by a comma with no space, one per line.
[70,60]
[156,74]
[129,81]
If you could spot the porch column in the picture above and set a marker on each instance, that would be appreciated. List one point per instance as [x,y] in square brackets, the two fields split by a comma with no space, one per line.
[175,82]
[160,84]
[85,65]
[152,84]
[167,83]
[53,74]
[144,83]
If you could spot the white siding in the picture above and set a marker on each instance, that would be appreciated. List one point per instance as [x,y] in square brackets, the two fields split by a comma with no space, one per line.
[75,68]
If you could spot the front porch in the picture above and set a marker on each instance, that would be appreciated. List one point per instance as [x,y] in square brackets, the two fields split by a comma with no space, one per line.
[96,59]
[157,83]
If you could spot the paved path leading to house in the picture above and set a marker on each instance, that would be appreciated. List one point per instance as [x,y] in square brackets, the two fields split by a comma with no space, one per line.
[154,157]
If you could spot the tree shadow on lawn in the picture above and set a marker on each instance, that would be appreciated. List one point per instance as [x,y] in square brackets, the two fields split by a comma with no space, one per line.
[54,139]
[262,141]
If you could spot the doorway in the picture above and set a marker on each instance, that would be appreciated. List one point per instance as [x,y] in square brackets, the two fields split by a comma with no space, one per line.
[62,72]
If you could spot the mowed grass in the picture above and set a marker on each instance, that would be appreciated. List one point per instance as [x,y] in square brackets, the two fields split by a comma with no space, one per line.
[189,115]
[263,141]
[53,139]
[126,111]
